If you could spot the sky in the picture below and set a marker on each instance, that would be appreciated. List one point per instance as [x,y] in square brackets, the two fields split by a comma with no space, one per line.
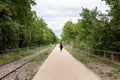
[57,12]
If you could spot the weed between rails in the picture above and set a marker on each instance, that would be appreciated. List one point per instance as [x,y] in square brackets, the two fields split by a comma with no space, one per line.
[5,58]
[33,66]
[28,71]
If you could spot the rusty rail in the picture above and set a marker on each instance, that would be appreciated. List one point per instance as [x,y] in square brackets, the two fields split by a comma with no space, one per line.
[25,62]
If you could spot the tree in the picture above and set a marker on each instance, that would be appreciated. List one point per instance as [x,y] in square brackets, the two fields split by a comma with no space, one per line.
[41,34]
[114,24]
[20,27]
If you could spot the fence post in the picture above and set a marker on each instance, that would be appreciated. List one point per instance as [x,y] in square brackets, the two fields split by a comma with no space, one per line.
[112,58]
[104,54]
[87,50]
[98,53]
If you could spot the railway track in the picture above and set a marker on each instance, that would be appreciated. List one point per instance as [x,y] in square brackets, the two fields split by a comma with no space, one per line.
[9,68]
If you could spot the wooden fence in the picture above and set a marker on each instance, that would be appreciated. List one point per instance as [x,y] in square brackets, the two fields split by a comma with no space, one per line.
[110,56]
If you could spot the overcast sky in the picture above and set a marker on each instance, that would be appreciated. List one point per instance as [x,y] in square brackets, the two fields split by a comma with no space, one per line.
[57,12]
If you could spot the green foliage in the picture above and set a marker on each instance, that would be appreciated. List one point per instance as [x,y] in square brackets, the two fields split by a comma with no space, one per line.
[69,32]
[19,26]
[85,31]
[95,30]
[41,34]
[114,23]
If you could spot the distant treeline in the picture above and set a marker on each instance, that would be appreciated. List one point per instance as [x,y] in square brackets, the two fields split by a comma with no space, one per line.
[20,27]
[95,29]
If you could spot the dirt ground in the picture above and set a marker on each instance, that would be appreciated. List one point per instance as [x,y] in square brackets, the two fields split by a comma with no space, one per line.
[104,69]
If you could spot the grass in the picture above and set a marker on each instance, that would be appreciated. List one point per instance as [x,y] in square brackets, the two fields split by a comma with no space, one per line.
[35,63]
[97,65]
[8,57]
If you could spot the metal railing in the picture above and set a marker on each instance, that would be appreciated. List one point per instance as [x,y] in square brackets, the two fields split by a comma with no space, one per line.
[11,52]
[19,49]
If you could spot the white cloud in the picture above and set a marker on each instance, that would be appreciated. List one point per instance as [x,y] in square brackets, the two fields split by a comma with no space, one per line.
[57,12]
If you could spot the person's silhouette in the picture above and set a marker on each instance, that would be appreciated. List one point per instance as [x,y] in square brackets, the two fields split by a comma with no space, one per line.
[61,46]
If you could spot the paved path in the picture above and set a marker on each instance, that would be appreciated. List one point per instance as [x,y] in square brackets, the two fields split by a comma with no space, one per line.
[62,66]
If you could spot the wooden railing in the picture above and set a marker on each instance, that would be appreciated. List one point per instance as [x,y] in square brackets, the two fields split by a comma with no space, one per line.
[110,56]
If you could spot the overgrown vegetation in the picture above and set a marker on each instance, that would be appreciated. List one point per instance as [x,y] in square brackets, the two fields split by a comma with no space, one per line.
[28,71]
[104,69]
[5,58]
[33,66]
[95,29]
[20,27]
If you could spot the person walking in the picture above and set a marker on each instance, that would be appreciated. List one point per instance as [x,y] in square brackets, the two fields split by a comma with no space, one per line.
[61,46]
